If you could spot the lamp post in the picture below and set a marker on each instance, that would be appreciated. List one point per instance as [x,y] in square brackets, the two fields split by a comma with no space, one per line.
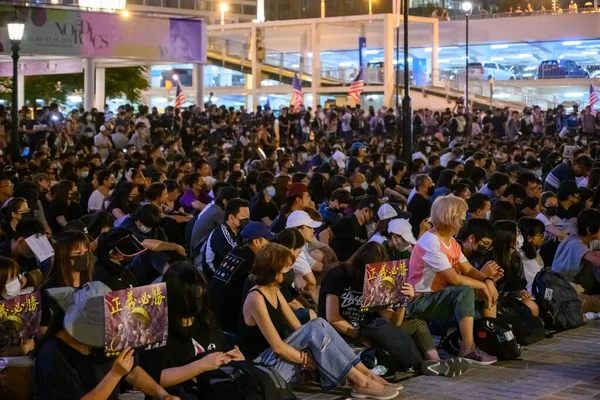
[370,7]
[16,28]
[468,9]
[223,8]
[322,8]
[407,137]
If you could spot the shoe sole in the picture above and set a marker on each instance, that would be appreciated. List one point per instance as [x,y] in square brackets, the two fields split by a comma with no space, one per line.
[373,397]
[480,362]
[449,368]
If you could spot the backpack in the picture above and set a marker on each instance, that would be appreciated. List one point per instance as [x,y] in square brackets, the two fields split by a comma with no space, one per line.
[496,338]
[242,380]
[527,328]
[559,304]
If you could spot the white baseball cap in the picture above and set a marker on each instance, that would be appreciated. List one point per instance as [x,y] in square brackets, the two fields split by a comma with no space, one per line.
[301,218]
[403,228]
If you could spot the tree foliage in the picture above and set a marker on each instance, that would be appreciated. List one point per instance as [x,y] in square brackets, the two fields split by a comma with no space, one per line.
[128,82]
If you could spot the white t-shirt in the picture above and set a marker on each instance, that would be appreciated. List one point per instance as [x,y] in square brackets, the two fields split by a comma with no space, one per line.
[304,262]
[96,201]
[445,159]
[531,267]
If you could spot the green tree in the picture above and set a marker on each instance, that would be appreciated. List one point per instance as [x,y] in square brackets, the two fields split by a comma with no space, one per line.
[128,82]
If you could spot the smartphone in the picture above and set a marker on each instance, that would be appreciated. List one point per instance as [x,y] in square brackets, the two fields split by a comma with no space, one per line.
[25,152]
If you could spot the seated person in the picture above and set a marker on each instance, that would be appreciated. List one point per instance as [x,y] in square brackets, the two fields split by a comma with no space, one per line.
[532,230]
[399,239]
[307,263]
[476,240]
[578,263]
[19,251]
[226,287]
[384,328]
[445,282]
[196,345]
[67,366]
[11,285]
[271,334]
[505,253]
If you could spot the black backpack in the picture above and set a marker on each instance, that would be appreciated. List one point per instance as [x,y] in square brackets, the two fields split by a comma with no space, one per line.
[559,304]
[527,328]
[496,338]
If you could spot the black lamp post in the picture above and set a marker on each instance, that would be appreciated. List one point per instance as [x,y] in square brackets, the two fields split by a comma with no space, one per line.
[16,28]
[468,9]
[407,137]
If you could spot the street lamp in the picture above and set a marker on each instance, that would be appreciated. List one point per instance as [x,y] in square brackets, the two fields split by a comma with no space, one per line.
[370,7]
[223,7]
[16,28]
[468,9]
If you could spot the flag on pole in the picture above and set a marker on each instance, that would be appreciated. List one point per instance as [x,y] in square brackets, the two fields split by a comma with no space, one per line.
[593,96]
[357,86]
[179,96]
[297,96]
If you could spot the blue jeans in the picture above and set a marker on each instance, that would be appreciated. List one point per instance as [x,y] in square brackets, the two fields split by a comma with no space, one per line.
[332,356]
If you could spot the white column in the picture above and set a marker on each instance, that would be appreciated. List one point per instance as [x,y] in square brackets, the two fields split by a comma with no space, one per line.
[21,88]
[256,69]
[100,88]
[388,61]
[260,11]
[315,48]
[435,72]
[198,82]
[88,83]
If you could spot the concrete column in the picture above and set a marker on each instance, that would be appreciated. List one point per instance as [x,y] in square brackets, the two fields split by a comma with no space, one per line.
[256,68]
[198,82]
[21,89]
[100,88]
[389,84]
[315,48]
[305,40]
[260,11]
[88,83]
[435,72]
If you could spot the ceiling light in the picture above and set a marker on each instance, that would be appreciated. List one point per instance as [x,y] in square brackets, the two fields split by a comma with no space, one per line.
[571,43]
[499,46]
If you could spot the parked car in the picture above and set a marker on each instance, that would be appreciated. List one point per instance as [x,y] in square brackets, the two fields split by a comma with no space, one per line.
[522,72]
[489,70]
[561,69]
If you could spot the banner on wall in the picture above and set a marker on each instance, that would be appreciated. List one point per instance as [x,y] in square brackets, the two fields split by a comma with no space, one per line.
[49,67]
[99,34]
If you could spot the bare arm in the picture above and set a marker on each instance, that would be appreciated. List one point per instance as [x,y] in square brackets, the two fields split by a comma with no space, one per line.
[61,220]
[593,258]
[288,312]
[139,379]
[556,231]
[326,236]
[267,221]
[333,316]
[117,213]
[105,388]
[198,205]
[453,279]
[159,245]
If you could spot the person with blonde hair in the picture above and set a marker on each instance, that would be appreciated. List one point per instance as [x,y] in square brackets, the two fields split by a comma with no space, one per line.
[446,284]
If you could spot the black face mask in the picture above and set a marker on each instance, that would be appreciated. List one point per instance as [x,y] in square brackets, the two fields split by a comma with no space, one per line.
[481,251]
[80,262]
[519,158]
[291,169]
[552,211]
[243,222]
[530,202]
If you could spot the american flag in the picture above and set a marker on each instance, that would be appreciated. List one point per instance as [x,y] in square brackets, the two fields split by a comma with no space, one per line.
[297,96]
[593,96]
[179,96]
[357,86]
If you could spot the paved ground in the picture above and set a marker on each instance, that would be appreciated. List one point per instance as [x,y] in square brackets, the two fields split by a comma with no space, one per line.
[566,366]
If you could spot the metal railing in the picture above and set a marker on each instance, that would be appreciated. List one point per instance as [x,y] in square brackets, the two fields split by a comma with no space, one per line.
[515,14]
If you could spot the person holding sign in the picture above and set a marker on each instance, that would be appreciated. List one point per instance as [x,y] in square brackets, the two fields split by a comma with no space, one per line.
[67,366]
[407,341]
[270,331]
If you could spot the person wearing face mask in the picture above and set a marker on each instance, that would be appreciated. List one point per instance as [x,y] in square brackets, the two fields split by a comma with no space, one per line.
[476,240]
[195,198]
[358,181]
[399,241]
[224,237]
[532,230]
[297,198]
[568,171]
[226,287]
[349,233]
[358,151]
[106,184]
[19,251]
[419,206]
[11,285]
[568,201]
[399,169]
[262,204]
[115,250]
[332,210]
[15,210]
[505,252]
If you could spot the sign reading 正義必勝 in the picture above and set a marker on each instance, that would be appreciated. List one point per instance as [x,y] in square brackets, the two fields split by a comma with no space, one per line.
[100,34]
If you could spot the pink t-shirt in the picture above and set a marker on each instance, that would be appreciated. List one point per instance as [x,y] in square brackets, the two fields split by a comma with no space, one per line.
[430,256]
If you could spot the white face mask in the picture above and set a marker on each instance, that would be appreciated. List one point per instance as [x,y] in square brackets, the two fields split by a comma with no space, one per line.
[381,180]
[520,242]
[487,214]
[144,229]
[348,188]
[364,185]
[13,288]
[85,174]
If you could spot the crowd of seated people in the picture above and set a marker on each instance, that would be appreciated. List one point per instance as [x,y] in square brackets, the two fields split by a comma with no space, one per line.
[263,235]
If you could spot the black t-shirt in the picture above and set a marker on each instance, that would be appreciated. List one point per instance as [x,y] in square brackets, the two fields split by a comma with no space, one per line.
[338,283]
[260,209]
[498,125]
[348,236]
[353,165]
[113,275]
[62,372]
[227,284]
[183,347]
[56,209]
[572,212]
[279,223]
[420,208]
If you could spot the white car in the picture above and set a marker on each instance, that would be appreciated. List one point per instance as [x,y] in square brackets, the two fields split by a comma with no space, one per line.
[489,70]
